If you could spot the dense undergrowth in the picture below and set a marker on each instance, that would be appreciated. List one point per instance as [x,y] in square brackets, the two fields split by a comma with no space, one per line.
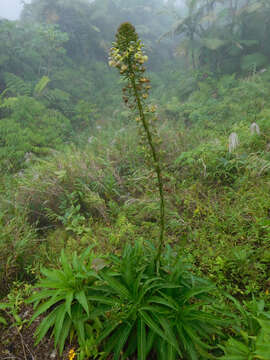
[217,204]
[214,198]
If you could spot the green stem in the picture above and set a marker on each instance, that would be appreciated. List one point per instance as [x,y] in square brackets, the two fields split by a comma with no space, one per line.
[156,167]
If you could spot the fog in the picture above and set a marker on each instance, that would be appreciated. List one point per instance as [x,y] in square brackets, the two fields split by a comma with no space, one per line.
[10,9]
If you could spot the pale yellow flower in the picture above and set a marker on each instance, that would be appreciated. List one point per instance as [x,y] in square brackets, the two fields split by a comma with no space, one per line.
[71,354]
[124,67]
[112,63]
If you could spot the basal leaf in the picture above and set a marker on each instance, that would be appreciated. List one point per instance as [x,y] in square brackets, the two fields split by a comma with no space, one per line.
[45,325]
[64,333]
[123,335]
[44,307]
[69,299]
[60,316]
[141,334]
[83,301]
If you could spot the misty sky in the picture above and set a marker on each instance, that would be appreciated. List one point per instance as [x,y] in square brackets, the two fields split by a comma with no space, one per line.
[10,9]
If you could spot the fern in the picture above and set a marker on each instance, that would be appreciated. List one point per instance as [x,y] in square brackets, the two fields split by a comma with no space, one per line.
[2,95]
[58,99]
[17,86]
[41,86]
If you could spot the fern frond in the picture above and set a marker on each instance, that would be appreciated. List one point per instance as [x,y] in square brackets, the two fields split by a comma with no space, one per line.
[3,94]
[17,86]
[41,86]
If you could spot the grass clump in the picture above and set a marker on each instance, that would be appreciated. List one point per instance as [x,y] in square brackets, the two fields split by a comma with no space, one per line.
[18,247]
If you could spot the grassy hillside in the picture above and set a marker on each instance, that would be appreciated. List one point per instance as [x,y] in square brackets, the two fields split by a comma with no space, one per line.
[102,193]
[91,266]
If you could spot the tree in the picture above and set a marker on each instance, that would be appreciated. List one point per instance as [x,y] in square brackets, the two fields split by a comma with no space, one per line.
[223,35]
[191,27]
[72,18]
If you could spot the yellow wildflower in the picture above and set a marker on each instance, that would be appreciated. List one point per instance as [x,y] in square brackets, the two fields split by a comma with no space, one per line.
[71,354]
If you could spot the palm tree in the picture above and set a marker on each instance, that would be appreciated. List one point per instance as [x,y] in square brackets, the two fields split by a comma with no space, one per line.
[192,27]
[216,31]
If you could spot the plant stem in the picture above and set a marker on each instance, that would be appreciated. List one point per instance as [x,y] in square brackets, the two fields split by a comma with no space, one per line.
[157,170]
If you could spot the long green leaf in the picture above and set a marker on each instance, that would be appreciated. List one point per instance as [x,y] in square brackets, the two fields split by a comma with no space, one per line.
[108,329]
[111,343]
[101,299]
[117,286]
[44,326]
[166,302]
[141,334]
[169,333]
[81,297]
[64,333]
[150,341]
[69,299]
[44,307]
[157,328]
[79,326]
[41,295]
[122,339]
[171,352]
[61,313]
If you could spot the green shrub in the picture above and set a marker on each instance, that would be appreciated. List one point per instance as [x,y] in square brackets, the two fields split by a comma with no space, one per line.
[65,294]
[138,312]
[164,315]
[66,188]
[253,336]
[29,129]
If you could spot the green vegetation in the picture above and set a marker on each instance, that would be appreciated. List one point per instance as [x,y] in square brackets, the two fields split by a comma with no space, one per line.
[135,229]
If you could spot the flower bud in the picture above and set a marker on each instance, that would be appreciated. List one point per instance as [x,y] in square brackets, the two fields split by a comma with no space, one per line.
[124,68]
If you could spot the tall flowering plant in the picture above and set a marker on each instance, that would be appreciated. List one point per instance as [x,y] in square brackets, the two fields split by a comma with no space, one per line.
[127,55]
